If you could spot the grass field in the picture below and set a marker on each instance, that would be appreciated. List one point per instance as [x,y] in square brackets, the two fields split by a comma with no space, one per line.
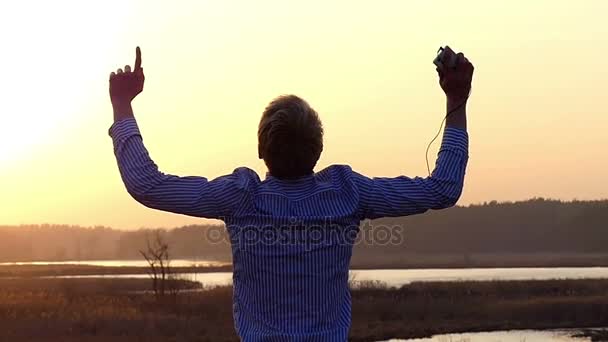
[34,309]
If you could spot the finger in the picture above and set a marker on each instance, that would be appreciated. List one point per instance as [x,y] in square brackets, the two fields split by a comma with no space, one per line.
[467,64]
[127,68]
[137,58]
[470,68]
[119,71]
[457,61]
[460,57]
[439,72]
[112,74]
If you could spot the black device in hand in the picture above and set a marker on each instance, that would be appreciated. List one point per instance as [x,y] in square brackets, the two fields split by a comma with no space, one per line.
[446,57]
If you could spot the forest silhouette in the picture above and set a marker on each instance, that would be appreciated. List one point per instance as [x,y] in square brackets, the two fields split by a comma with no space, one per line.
[536,232]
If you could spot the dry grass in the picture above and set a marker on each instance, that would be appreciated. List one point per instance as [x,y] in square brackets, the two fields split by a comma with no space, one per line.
[96,310]
[84,310]
[424,309]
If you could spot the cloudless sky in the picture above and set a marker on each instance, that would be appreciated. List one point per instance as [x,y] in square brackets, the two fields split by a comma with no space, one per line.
[537,116]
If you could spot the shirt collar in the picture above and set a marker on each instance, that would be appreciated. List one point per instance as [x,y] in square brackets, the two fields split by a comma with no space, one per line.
[299,180]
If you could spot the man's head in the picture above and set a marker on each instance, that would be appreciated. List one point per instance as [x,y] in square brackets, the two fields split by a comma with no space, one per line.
[290,137]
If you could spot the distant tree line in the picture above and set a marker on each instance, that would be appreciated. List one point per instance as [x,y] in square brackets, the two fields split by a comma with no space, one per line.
[533,226]
[61,243]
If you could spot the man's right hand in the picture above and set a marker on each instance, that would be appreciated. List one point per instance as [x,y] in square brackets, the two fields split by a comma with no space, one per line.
[125,85]
[456,80]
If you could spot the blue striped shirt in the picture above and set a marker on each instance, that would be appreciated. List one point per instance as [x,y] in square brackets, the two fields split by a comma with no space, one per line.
[291,240]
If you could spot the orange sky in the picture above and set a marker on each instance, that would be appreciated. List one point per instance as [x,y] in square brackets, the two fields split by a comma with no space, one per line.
[536,118]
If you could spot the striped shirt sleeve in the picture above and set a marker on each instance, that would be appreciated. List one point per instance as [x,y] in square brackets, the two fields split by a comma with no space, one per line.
[194,196]
[402,196]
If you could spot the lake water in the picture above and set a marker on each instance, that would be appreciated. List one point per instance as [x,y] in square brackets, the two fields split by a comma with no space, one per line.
[393,277]
[401,277]
[505,336]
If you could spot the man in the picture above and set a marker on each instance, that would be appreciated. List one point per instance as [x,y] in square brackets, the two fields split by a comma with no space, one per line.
[292,233]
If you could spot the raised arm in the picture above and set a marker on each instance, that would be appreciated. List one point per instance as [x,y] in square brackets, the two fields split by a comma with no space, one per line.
[402,196]
[195,196]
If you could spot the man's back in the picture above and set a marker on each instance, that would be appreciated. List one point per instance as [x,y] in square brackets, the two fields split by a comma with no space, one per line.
[291,244]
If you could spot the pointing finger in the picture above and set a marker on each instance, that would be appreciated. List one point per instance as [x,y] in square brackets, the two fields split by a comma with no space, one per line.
[127,68]
[137,58]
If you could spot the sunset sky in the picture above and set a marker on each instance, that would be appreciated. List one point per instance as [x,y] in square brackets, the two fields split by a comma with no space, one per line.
[537,116]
